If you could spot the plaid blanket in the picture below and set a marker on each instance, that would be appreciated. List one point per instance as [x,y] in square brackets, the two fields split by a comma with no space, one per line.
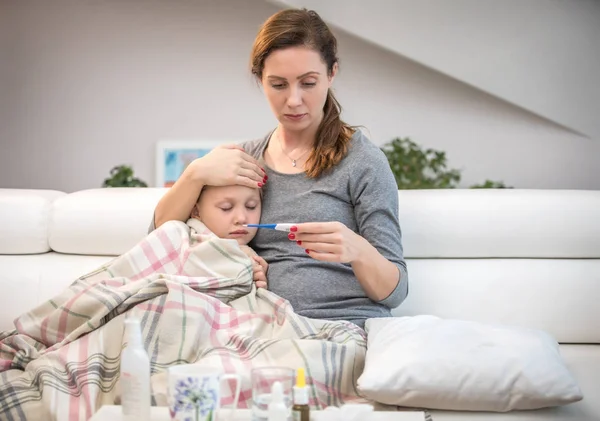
[198,304]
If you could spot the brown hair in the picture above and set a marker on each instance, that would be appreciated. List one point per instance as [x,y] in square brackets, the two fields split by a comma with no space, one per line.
[293,28]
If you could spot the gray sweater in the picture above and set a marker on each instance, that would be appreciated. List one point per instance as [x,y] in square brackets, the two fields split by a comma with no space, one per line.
[361,193]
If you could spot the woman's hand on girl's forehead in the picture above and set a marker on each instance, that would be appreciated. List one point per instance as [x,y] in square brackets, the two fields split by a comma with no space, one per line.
[228,165]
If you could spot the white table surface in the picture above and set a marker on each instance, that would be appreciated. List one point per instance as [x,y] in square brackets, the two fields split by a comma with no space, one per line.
[161,413]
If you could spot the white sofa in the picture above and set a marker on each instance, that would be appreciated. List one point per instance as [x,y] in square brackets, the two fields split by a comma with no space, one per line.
[520,257]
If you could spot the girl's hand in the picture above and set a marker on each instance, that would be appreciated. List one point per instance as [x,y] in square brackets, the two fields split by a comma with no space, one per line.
[260,267]
[328,241]
[227,165]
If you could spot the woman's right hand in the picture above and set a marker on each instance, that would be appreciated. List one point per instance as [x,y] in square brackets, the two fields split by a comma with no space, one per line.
[227,165]
[224,165]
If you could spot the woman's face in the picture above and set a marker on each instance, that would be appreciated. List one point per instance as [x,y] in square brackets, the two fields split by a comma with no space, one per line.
[295,82]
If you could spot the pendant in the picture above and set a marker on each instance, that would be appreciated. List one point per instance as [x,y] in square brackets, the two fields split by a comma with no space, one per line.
[293,162]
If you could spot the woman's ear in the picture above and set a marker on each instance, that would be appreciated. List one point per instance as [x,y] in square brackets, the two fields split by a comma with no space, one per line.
[334,71]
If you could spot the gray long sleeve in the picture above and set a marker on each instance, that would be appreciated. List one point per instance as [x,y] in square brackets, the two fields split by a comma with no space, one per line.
[374,194]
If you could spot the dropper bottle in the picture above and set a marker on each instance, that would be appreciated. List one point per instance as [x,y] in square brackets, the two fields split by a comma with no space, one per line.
[300,410]
[278,411]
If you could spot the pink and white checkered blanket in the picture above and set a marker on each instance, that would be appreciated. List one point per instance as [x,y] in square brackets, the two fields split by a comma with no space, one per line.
[198,304]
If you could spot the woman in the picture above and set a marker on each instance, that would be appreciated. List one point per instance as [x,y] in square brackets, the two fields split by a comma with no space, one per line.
[343,260]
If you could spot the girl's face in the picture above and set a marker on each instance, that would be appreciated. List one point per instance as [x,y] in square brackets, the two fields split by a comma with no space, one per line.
[225,209]
[295,82]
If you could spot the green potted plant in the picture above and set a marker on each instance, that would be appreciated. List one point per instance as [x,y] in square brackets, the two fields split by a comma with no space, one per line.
[489,184]
[122,176]
[417,168]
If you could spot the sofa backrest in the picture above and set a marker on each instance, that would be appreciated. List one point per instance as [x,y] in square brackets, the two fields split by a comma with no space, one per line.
[522,257]
[102,221]
[501,223]
[25,220]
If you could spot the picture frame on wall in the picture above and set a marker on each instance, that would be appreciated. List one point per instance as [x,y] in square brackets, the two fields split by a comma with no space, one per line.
[174,155]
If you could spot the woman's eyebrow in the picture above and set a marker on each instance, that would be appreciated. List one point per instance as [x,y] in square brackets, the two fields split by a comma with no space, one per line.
[299,77]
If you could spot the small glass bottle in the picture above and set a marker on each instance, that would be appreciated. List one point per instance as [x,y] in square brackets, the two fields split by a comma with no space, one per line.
[301,409]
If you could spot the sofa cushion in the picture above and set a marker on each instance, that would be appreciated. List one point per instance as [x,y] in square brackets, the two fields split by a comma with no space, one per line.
[429,362]
[24,219]
[559,296]
[106,221]
[476,223]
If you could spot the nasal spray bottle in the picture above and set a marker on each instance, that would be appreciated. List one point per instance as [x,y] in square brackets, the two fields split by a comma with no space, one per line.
[135,374]
[278,411]
[300,410]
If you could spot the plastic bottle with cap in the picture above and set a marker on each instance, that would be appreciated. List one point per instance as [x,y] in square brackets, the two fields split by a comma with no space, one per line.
[135,374]
[300,410]
[278,410]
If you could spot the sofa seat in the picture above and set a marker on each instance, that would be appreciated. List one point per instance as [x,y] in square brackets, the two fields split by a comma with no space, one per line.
[34,278]
[584,363]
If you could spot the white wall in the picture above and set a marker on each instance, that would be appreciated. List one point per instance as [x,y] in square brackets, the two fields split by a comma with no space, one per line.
[95,84]
[88,85]
[543,55]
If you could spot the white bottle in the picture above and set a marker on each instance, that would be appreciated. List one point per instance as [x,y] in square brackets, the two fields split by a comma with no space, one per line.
[135,374]
[278,411]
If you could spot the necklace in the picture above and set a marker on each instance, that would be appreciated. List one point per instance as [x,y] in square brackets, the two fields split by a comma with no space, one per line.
[289,157]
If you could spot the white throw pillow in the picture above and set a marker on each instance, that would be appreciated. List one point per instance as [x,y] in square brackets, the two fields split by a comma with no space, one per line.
[428,362]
